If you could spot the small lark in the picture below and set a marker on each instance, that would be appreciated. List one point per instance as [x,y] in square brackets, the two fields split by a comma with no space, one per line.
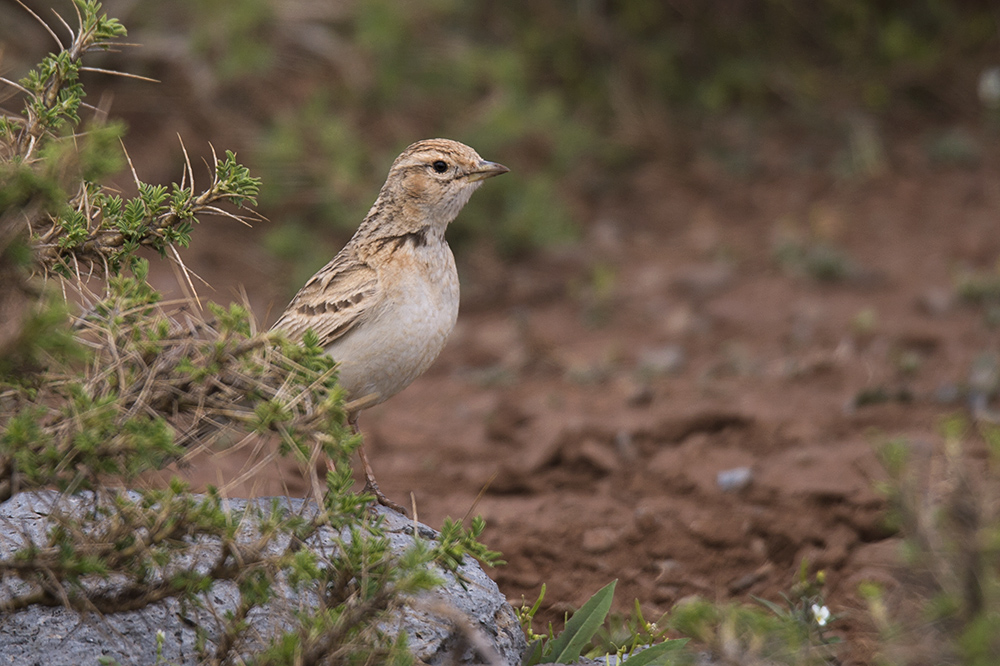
[385,305]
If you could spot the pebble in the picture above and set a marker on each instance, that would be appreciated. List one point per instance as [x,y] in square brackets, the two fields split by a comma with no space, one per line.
[666,360]
[936,301]
[625,446]
[732,480]
[646,520]
[599,456]
[704,281]
[640,395]
[599,540]
[947,394]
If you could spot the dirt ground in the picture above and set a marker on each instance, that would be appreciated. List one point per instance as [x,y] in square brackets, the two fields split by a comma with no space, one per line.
[591,396]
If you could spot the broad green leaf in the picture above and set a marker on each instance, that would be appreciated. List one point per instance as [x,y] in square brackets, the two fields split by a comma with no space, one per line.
[582,627]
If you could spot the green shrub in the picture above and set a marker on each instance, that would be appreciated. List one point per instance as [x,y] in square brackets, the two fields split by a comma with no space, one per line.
[93,397]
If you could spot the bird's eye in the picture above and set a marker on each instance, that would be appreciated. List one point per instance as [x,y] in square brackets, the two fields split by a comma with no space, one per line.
[440,166]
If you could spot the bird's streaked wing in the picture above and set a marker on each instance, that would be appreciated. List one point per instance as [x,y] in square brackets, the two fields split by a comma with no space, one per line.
[339,297]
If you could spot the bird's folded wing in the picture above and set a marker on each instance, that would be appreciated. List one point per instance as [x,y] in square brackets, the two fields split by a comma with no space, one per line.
[339,297]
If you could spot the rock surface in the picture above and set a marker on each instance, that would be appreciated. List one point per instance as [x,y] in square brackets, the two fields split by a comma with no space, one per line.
[442,625]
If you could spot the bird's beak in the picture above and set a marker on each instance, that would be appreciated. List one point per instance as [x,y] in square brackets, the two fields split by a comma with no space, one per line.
[486,170]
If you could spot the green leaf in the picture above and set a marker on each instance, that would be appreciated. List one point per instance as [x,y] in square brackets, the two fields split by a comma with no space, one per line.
[656,655]
[581,627]
[533,655]
[770,605]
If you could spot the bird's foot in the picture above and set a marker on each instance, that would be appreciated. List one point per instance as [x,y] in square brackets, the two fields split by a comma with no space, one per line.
[371,488]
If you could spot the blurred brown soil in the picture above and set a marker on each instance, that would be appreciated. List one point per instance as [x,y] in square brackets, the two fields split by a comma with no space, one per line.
[596,392]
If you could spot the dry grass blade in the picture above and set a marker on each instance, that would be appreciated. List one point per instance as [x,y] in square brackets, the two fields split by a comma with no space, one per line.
[113,72]
[214,210]
[79,21]
[479,496]
[131,165]
[187,178]
[18,86]
[183,275]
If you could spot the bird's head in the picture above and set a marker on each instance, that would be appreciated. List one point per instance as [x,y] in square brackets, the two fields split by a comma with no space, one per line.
[437,177]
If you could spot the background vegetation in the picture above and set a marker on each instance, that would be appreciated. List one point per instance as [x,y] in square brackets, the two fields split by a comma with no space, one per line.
[320,97]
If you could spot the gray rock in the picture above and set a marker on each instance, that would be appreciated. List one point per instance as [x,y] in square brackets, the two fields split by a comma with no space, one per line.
[456,623]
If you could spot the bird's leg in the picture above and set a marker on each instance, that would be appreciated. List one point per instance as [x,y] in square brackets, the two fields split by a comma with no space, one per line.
[371,485]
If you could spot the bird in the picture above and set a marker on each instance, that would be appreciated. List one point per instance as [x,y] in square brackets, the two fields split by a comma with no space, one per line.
[384,306]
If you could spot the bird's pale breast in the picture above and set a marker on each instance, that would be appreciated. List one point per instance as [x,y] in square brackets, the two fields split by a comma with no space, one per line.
[409,329]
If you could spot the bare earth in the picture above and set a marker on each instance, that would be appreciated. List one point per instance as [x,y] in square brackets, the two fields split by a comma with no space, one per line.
[596,392]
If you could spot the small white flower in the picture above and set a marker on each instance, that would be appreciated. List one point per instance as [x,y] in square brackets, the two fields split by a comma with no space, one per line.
[821,614]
